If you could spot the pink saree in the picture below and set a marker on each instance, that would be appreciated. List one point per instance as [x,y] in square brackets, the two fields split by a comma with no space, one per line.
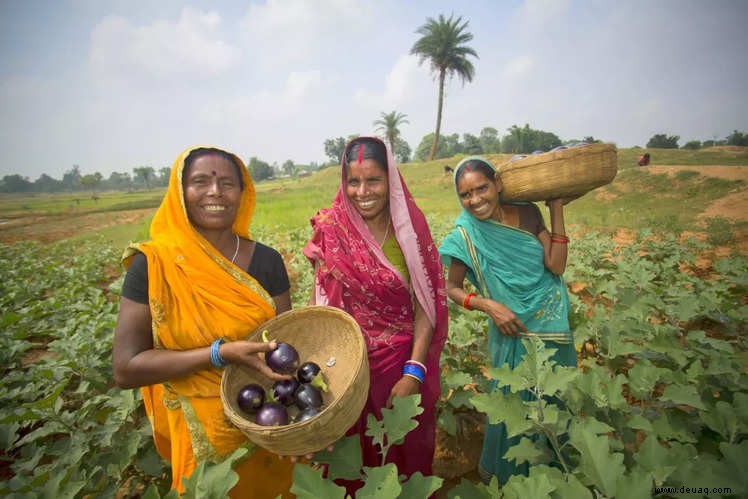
[353,274]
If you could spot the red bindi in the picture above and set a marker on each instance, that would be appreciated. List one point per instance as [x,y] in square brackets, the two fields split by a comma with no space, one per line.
[213,172]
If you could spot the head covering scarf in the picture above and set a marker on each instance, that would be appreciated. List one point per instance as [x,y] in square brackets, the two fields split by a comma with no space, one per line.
[352,273]
[506,264]
[196,296]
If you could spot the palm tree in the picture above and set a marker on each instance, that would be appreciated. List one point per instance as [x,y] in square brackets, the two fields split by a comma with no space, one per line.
[389,123]
[443,45]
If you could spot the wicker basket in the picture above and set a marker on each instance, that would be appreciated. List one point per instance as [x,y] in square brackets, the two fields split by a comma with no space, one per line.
[568,172]
[318,333]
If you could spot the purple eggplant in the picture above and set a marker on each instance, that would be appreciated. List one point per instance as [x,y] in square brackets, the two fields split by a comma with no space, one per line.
[272,414]
[284,359]
[284,391]
[250,398]
[307,413]
[308,396]
[310,372]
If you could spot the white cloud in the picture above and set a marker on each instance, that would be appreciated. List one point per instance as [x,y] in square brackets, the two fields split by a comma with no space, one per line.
[538,15]
[402,84]
[267,105]
[294,31]
[162,49]
[518,67]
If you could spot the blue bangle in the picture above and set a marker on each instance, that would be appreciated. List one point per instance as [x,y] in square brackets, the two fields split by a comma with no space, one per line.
[215,354]
[414,371]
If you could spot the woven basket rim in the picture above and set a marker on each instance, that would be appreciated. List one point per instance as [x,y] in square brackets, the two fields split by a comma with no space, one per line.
[534,160]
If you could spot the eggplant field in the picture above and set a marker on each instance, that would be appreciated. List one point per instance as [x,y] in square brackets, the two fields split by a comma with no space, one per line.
[657,407]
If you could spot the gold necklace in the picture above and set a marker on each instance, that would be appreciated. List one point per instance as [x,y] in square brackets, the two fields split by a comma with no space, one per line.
[236,251]
[386,232]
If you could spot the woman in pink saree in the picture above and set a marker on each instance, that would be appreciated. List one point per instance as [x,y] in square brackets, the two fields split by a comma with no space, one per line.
[374,257]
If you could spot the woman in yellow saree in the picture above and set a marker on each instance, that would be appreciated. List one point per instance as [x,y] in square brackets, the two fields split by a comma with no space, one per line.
[192,292]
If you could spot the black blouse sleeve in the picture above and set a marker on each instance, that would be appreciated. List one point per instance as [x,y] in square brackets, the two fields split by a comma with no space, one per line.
[135,286]
[268,268]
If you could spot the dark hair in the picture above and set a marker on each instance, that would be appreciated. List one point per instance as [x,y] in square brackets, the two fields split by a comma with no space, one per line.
[367,148]
[475,165]
[206,151]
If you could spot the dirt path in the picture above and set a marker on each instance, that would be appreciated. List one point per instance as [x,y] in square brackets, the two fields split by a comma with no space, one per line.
[733,206]
[56,227]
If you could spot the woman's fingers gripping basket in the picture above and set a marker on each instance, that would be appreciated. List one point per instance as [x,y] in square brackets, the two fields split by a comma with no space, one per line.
[298,417]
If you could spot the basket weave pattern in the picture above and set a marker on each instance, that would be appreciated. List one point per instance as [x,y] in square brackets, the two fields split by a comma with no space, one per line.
[318,333]
[568,172]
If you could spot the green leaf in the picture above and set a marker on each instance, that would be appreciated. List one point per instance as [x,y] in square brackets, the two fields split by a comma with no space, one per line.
[722,418]
[344,460]
[591,425]
[420,486]
[151,492]
[48,401]
[643,378]
[566,485]
[514,378]
[8,435]
[150,462]
[634,485]
[597,463]
[529,451]
[400,420]
[504,408]
[375,429]
[655,459]
[639,422]
[457,379]
[670,427]
[447,420]
[469,490]
[49,428]
[683,395]
[308,483]
[381,483]
[213,481]
[735,462]
[561,378]
[740,401]
[522,487]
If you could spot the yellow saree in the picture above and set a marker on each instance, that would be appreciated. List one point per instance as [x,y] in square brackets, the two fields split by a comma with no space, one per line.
[196,296]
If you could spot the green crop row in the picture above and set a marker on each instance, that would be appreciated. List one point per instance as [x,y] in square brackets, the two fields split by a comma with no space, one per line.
[660,398]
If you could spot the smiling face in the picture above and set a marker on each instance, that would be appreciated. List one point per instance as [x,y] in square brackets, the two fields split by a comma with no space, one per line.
[479,194]
[367,188]
[212,193]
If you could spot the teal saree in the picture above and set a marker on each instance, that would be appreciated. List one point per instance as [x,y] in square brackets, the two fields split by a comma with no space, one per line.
[505,264]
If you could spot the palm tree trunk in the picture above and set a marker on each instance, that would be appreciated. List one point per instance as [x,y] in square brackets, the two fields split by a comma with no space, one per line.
[434,145]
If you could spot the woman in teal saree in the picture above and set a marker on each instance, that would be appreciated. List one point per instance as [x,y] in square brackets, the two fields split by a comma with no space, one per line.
[515,263]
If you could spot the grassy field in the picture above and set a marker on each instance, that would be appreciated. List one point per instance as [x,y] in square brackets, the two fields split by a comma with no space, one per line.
[636,199]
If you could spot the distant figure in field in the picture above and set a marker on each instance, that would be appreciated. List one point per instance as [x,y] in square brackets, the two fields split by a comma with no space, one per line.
[448,169]
[644,159]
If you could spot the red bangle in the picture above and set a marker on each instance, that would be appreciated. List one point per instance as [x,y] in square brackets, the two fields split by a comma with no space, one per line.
[466,301]
[559,238]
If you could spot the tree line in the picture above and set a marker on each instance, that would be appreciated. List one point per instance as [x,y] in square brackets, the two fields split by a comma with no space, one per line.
[664,141]
[142,177]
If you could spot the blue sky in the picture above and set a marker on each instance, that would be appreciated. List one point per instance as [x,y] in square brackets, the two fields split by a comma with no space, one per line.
[112,85]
